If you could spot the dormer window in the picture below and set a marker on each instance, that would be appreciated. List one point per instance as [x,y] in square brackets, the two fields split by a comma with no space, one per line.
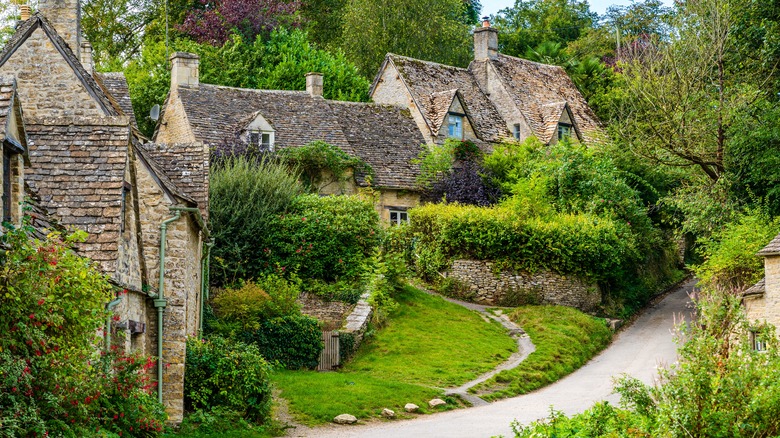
[564,130]
[262,140]
[455,126]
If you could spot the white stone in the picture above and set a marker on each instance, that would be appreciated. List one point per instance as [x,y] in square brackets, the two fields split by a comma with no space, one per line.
[436,403]
[411,407]
[388,413]
[345,419]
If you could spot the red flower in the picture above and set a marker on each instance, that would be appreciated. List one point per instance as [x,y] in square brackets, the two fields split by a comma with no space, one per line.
[303,219]
[32,316]
[41,301]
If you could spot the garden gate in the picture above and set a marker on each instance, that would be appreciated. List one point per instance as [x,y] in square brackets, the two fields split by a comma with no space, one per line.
[330,357]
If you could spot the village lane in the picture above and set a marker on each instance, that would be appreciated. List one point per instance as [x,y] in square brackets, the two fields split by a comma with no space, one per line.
[637,351]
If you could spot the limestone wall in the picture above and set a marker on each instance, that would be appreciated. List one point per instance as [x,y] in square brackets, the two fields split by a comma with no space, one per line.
[390,90]
[330,313]
[357,321]
[771,312]
[392,198]
[502,288]
[175,128]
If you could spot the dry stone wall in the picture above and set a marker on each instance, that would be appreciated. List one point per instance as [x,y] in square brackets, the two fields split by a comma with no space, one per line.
[508,288]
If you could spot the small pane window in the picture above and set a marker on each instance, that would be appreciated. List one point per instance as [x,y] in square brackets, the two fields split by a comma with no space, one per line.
[266,145]
[398,217]
[455,128]
[758,341]
[564,130]
[516,131]
[262,140]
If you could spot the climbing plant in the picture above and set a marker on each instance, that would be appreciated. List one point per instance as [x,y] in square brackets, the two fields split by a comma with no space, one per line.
[319,161]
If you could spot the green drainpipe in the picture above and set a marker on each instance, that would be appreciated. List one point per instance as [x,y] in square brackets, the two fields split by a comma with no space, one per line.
[110,306]
[160,302]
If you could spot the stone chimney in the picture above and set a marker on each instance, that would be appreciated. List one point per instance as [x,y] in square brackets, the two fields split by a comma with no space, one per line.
[86,57]
[184,69]
[314,84]
[485,42]
[65,16]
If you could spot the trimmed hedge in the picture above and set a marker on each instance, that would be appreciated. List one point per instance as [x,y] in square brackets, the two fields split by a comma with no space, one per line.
[294,341]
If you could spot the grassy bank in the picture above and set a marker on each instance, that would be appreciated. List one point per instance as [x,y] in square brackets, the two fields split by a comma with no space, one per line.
[565,339]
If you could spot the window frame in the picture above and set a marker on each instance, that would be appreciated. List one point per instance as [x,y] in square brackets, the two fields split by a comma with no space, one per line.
[757,343]
[568,127]
[402,215]
[516,131]
[256,138]
[459,134]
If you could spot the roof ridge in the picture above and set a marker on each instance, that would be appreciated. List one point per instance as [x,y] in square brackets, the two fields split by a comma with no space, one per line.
[262,90]
[517,58]
[432,63]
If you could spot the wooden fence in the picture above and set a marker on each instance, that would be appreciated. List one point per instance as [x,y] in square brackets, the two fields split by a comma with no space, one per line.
[330,358]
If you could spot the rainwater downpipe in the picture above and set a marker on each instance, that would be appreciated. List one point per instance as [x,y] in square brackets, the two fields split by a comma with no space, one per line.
[160,302]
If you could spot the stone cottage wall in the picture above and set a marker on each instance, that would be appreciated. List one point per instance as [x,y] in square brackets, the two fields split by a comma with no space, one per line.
[771,298]
[175,128]
[504,287]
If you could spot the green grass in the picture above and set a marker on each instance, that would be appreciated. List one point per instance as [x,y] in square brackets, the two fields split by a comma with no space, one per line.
[428,343]
[565,339]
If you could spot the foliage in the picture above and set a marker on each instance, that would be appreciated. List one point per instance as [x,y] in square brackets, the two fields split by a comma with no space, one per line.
[384,277]
[224,373]
[424,29]
[114,28]
[319,161]
[243,308]
[426,343]
[565,339]
[245,198]
[52,377]
[730,256]
[215,22]
[295,341]
[223,423]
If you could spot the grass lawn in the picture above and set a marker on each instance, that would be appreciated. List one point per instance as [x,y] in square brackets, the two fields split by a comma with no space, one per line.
[428,343]
[565,339]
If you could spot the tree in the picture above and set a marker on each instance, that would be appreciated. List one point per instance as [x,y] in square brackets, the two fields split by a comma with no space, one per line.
[644,18]
[432,30]
[115,28]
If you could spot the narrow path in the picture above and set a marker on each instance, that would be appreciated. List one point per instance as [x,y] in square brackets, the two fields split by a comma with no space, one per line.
[638,351]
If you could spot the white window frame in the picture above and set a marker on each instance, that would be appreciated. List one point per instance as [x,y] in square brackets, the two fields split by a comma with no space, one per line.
[402,216]
[455,125]
[257,138]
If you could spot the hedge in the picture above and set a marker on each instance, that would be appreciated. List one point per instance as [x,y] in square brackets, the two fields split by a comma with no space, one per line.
[294,341]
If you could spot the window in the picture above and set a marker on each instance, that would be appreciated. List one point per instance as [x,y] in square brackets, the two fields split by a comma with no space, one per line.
[6,185]
[758,341]
[516,131]
[398,216]
[126,187]
[455,127]
[262,140]
[564,130]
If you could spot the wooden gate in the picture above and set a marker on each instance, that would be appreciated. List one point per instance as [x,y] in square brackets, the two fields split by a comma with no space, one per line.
[330,357]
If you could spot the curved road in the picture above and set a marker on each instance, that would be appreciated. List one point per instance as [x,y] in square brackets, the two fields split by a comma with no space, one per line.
[637,351]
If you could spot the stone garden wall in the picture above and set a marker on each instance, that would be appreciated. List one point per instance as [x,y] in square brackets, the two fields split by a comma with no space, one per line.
[485,286]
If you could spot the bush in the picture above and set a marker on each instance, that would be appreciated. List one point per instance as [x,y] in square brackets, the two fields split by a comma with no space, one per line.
[229,374]
[268,297]
[53,379]
[293,341]
[317,159]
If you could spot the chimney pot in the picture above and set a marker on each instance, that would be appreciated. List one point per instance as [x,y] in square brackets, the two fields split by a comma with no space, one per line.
[485,21]
[184,69]
[25,12]
[314,84]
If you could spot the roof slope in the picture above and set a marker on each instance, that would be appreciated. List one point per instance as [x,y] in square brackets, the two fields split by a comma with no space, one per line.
[77,171]
[213,112]
[385,137]
[426,80]
[7,89]
[534,86]
[116,86]
[772,248]
[187,166]
[757,289]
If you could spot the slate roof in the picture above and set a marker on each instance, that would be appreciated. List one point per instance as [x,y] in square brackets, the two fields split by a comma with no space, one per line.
[534,86]
[77,171]
[773,248]
[186,166]
[7,88]
[385,137]
[438,105]
[426,79]
[757,289]
[115,85]
[297,118]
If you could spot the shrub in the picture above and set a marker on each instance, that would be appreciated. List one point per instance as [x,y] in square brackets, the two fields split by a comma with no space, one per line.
[318,158]
[268,297]
[246,196]
[229,374]
[293,341]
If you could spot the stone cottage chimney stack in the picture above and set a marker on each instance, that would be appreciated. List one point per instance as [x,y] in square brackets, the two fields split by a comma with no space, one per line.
[25,12]
[314,84]
[86,57]
[65,16]
[184,69]
[485,42]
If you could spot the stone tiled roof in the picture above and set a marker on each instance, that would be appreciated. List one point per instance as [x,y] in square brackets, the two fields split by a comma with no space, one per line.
[159,174]
[773,248]
[7,87]
[115,85]
[77,171]
[297,118]
[532,86]
[757,289]
[187,166]
[551,115]
[438,105]
[39,21]
[425,79]
[385,137]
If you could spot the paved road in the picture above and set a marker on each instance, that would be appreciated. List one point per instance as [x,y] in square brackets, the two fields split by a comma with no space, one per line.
[638,351]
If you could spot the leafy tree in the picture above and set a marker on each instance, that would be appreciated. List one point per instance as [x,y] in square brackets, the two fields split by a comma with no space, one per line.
[324,20]
[115,28]
[531,22]
[643,18]
[425,29]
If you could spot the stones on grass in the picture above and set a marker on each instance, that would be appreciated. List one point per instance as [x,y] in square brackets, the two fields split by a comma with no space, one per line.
[435,403]
[345,419]
[388,413]
[411,407]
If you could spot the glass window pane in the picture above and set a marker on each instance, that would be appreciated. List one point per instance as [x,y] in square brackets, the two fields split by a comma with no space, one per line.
[404,217]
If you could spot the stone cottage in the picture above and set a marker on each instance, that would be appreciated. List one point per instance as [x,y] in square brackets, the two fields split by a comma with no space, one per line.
[383,136]
[495,98]
[70,138]
[762,300]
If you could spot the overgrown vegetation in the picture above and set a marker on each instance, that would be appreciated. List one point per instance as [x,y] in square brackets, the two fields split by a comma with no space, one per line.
[322,164]
[565,339]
